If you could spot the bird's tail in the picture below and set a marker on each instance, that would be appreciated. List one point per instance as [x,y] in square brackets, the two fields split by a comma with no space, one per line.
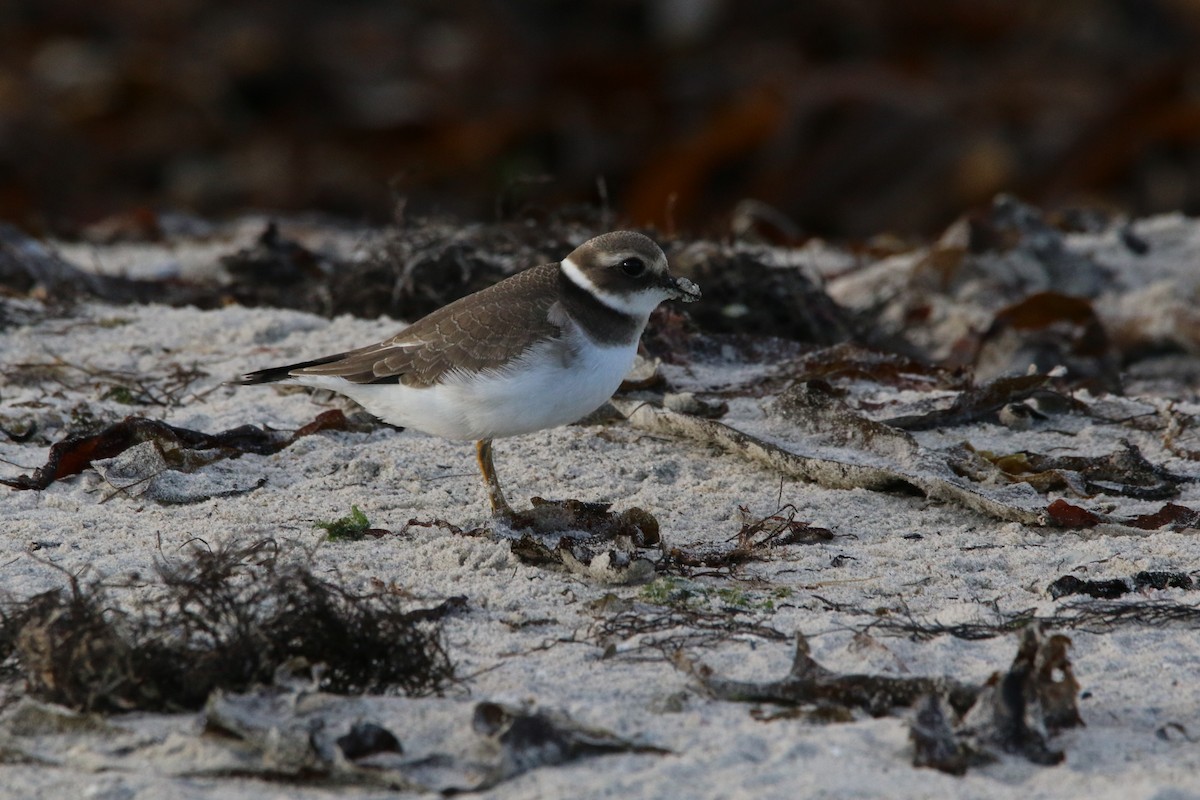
[272,374]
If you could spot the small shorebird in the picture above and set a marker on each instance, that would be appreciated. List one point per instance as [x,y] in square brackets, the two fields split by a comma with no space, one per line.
[539,349]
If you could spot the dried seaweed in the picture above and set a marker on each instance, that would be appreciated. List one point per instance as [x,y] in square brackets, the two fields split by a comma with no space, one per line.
[813,408]
[809,683]
[74,454]
[631,630]
[1016,710]
[1049,330]
[785,302]
[1102,616]
[1176,516]
[225,618]
[612,551]
[1112,588]
[1171,516]
[845,428]
[853,362]
[1125,472]
[26,263]
[521,740]
[753,542]
[976,403]
[1093,616]
[1071,516]
[124,387]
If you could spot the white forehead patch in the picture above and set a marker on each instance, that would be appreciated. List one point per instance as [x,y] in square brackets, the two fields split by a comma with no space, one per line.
[637,304]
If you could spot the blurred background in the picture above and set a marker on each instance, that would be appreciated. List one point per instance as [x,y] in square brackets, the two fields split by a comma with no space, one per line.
[845,118]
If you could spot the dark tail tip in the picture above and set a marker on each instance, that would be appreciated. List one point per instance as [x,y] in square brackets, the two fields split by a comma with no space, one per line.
[273,374]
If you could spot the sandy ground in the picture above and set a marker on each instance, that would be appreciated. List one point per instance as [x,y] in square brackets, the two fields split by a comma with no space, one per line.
[529,635]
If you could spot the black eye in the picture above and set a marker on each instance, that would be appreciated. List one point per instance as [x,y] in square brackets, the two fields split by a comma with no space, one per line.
[633,267]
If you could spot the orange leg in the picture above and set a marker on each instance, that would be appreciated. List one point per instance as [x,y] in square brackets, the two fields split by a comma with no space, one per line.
[500,506]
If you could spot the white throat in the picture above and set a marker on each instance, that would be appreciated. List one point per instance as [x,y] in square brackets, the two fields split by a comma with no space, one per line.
[635,305]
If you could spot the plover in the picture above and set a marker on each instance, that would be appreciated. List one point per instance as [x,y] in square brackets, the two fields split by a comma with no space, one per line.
[539,349]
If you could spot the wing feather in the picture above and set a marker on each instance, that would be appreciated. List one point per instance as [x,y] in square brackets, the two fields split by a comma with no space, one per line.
[488,328]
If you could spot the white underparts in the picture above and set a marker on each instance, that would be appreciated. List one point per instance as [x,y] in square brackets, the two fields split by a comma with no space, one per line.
[543,388]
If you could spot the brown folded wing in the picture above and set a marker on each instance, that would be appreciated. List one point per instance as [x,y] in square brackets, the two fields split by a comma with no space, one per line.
[486,329]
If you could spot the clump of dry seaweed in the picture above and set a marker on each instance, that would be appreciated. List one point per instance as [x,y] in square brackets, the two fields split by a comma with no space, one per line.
[222,618]
[957,724]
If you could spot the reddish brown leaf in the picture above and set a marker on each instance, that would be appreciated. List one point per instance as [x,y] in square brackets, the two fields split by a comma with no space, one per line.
[1176,516]
[332,420]
[1069,516]
[73,455]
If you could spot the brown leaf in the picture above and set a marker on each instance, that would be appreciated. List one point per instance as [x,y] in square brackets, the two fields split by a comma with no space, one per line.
[74,454]
[1069,516]
[1176,516]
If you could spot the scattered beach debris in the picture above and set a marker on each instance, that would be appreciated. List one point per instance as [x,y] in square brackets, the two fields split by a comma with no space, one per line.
[613,549]
[831,444]
[809,683]
[180,449]
[292,733]
[957,723]
[1016,712]
[976,403]
[1170,516]
[517,740]
[754,541]
[29,265]
[1112,588]
[1125,472]
[935,480]
[671,615]
[757,298]
[224,617]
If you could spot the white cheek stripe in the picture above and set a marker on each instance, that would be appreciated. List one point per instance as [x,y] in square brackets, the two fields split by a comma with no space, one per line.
[615,302]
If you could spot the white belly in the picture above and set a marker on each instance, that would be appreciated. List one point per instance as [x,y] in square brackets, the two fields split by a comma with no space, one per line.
[540,390]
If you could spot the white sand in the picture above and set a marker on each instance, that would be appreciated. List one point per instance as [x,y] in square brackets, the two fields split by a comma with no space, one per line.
[527,634]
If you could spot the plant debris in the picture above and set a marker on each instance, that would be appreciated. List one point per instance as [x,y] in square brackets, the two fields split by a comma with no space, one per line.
[1047,330]
[74,454]
[224,618]
[757,298]
[935,743]
[809,683]
[518,740]
[613,551]
[1112,588]
[1125,472]
[1015,711]
[1092,616]
[847,429]
[629,628]
[852,362]
[27,264]
[353,527]
[976,403]
[753,542]
[1171,516]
